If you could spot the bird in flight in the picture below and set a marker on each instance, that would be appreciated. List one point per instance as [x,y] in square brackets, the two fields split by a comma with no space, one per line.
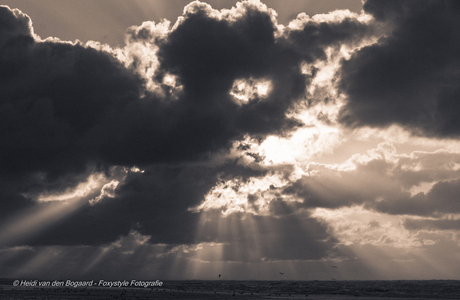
[219,275]
[335,267]
[281,273]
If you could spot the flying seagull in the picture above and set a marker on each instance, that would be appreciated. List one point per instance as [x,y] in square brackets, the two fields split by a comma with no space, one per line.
[334,267]
[281,273]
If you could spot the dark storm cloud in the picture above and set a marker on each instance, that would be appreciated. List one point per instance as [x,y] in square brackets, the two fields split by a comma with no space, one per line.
[11,200]
[13,24]
[65,106]
[309,40]
[208,54]
[411,76]
[53,95]
[67,110]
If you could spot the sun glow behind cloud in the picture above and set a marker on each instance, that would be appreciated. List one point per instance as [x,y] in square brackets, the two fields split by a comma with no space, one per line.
[245,90]
[237,195]
[83,189]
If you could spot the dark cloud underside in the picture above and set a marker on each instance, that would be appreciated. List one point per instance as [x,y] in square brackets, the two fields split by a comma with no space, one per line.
[68,110]
[411,76]
[65,106]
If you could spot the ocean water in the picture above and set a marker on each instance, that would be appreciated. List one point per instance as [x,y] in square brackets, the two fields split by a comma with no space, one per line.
[230,289]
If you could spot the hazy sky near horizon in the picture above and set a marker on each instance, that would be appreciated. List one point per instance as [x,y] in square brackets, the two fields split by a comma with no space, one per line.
[176,140]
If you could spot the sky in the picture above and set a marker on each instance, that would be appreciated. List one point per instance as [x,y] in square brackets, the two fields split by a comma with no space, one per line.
[175,140]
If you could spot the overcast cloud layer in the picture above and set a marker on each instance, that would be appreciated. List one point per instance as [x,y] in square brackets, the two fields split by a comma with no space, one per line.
[207,139]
